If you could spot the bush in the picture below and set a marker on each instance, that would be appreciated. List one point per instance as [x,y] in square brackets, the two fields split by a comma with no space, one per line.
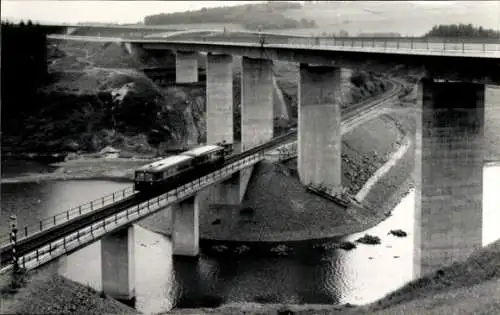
[398,233]
[369,240]
[17,281]
[462,30]
[347,245]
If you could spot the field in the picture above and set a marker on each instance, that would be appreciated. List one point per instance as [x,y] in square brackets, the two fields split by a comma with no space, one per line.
[407,18]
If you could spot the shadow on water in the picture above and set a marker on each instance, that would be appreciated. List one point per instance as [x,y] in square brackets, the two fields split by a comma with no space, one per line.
[191,291]
[319,274]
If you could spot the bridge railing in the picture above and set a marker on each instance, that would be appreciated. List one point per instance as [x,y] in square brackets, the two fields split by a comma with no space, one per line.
[69,214]
[417,43]
[99,228]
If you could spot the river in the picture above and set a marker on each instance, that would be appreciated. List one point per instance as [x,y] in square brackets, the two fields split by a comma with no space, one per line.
[359,276]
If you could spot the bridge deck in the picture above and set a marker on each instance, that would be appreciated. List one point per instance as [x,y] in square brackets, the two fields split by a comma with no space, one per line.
[411,46]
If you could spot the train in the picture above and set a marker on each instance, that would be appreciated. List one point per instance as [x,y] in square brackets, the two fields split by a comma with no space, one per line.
[173,171]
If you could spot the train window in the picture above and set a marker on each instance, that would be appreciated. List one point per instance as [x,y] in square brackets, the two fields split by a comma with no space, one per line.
[183,166]
[167,173]
[148,177]
[139,176]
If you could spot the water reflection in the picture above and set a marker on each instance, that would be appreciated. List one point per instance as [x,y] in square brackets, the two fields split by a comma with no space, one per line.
[35,201]
[385,267]
[491,203]
[359,276]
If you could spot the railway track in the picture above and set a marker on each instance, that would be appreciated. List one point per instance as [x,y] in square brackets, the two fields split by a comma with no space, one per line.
[36,240]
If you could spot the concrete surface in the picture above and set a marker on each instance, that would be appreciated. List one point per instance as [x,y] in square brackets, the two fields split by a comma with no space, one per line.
[448,173]
[186,67]
[219,99]
[118,265]
[256,102]
[185,218]
[319,131]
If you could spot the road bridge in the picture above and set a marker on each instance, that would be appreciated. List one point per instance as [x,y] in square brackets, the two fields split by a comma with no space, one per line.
[450,118]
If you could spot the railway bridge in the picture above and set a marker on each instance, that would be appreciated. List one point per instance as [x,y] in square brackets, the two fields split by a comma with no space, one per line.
[451,108]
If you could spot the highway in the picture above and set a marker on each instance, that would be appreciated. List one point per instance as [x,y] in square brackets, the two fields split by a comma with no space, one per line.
[398,46]
[128,204]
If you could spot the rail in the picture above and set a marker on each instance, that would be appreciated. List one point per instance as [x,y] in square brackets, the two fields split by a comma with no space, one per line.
[286,150]
[98,204]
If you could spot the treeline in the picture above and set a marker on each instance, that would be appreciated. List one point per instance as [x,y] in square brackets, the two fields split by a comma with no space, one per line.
[250,16]
[24,69]
[462,30]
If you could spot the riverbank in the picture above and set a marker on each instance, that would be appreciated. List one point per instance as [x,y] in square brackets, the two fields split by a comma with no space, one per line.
[86,168]
[468,287]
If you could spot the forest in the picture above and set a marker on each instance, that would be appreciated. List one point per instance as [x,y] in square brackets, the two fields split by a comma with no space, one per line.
[462,30]
[24,69]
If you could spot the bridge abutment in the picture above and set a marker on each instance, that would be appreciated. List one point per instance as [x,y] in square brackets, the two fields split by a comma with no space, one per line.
[319,134]
[448,173]
[186,228]
[219,98]
[118,265]
[186,67]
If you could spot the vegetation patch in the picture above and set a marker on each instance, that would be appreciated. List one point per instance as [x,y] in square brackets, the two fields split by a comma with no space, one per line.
[347,245]
[398,233]
[18,279]
[369,240]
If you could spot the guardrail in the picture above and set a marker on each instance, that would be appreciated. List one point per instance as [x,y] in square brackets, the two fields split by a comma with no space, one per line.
[444,44]
[417,44]
[98,229]
[64,216]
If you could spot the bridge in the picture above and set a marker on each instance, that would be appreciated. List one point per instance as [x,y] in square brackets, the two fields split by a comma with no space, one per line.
[451,108]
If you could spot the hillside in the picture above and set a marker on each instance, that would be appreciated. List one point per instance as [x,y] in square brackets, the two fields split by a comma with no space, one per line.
[250,16]
[97,96]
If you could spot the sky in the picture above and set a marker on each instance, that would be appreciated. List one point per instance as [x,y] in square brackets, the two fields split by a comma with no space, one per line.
[99,11]
[73,11]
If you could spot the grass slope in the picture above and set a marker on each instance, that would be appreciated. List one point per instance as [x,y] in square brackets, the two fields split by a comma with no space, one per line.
[46,293]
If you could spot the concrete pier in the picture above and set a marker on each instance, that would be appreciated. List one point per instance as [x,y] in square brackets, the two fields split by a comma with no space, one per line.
[186,67]
[186,229]
[219,98]
[319,133]
[118,265]
[256,102]
[448,173]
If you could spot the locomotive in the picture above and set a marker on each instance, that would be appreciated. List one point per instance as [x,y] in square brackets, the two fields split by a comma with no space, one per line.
[171,172]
